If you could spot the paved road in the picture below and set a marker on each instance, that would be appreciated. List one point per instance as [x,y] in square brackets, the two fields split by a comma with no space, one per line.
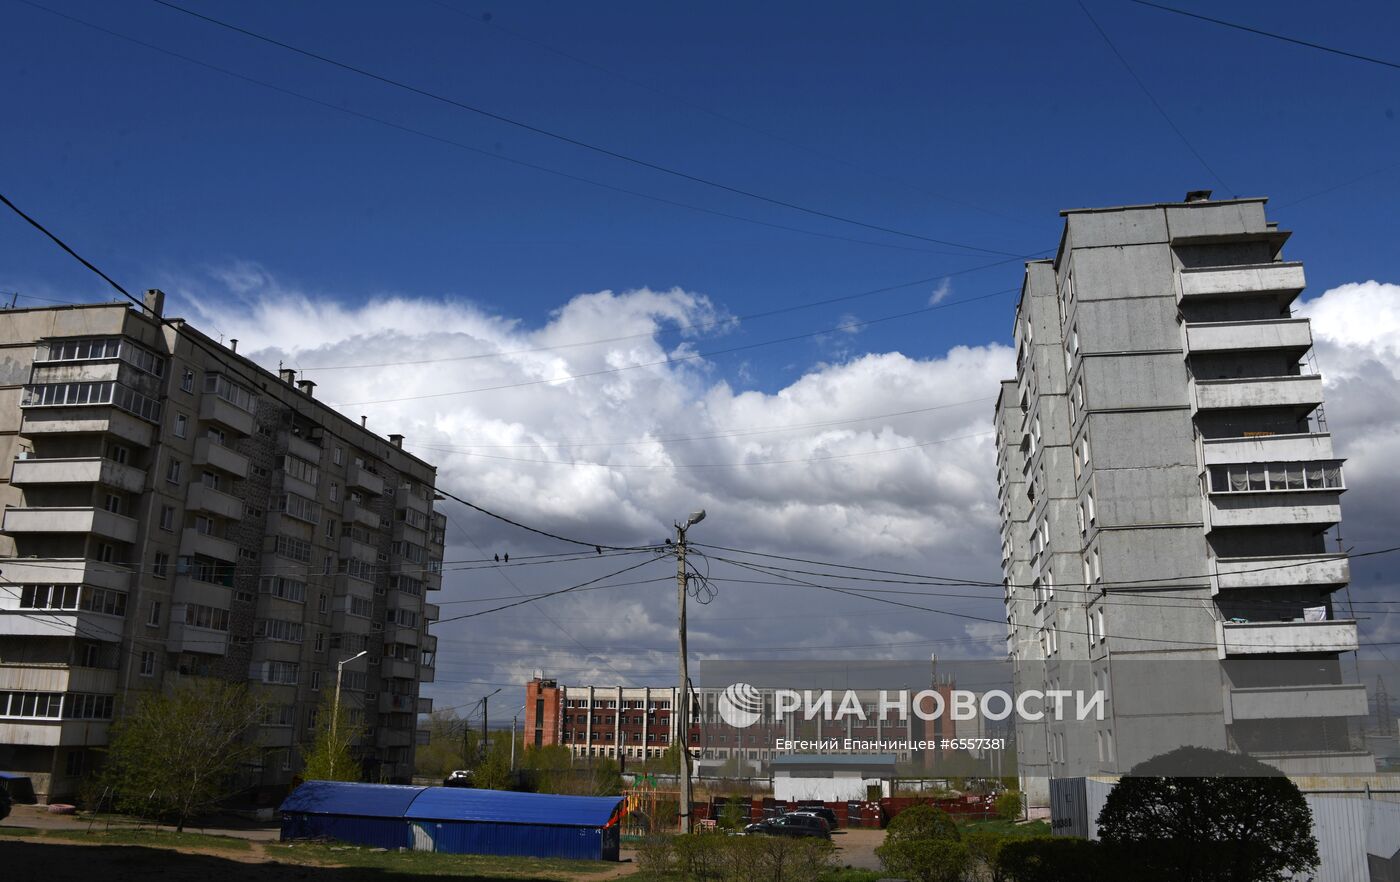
[39,816]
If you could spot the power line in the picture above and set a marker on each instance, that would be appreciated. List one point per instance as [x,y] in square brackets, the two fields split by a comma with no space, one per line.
[694,356]
[688,326]
[604,151]
[1148,92]
[476,150]
[715,465]
[495,24]
[546,533]
[538,597]
[1270,34]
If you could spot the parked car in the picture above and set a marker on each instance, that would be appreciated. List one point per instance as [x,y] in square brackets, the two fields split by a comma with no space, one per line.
[791,825]
[820,811]
[4,803]
[459,778]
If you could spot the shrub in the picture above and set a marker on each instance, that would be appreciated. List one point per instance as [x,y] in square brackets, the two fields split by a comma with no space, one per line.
[1008,805]
[696,855]
[735,813]
[925,859]
[984,851]
[922,822]
[655,855]
[1052,859]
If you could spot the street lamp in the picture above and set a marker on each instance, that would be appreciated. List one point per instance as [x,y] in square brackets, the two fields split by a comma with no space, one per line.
[335,706]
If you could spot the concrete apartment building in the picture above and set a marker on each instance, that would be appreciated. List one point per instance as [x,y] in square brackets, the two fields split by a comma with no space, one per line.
[1167,486]
[174,512]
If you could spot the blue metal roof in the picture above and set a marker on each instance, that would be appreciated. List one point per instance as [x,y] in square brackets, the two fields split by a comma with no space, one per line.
[344,798]
[502,806]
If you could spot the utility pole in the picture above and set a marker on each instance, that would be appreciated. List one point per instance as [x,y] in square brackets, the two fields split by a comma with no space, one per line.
[683,705]
[513,720]
[485,739]
[335,705]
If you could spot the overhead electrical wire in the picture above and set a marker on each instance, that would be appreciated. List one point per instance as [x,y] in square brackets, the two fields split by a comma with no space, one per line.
[693,356]
[566,139]
[1270,34]
[467,147]
[1150,97]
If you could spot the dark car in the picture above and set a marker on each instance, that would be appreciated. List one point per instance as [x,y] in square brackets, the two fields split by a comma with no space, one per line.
[791,825]
[820,811]
[4,803]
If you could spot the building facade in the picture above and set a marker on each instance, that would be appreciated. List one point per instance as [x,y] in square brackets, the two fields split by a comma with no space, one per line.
[173,512]
[1168,487]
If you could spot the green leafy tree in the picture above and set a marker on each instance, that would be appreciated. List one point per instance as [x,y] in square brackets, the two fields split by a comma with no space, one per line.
[922,822]
[668,763]
[735,813]
[1008,805]
[492,770]
[1201,815]
[607,777]
[443,754]
[331,755]
[176,755]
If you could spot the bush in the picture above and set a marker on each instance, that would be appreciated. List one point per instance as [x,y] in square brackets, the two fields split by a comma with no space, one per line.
[735,813]
[925,859]
[984,851]
[922,822]
[712,857]
[1008,806]
[655,855]
[1052,859]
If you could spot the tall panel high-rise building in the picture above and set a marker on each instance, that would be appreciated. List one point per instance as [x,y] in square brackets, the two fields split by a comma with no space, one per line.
[174,512]
[1169,494]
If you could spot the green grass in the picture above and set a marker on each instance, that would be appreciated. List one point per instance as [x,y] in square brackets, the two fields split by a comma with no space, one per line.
[1009,828]
[464,866]
[130,836]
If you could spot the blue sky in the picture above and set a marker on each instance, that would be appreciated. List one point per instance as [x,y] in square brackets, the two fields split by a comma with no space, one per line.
[301,229]
[1008,113]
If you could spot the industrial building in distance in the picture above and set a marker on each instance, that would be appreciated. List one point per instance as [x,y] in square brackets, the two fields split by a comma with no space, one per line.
[1168,487]
[174,512]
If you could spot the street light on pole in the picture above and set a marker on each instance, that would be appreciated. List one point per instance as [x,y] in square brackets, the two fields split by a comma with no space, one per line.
[335,706]
[683,727]
[466,729]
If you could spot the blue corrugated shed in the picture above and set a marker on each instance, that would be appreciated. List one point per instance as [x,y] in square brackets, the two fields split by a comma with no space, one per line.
[468,804]
[344,798]
[455,820]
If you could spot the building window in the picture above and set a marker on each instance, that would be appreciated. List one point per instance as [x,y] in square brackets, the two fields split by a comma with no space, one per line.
[172,471]
[148,663]
[107,553]
[182,425]
[315,681]
[160,564]
[153,615]
[1276,476]
[1098,617]
[320,645]
[187,380]
[167,518]
[338,456]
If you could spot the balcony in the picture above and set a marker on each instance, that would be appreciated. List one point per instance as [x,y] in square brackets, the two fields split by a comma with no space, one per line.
[186,638]
[427,674]
[1298,702]
[1301,393]
[84,470]
[59,623]
[364,479]
[275,736]
[1268,638]
[21,678]
[358,514]
[205,498]
[397,667]
[66,571]
[425,705]
[346,623]
[1276,508]
[400,634]
[1268,448]
[350,547]
[431,612]
[1289,335]
[1285,280]
[393,737]
[188,590]
[1282,571]
[300,447]
[213,409]
[89,420]
[406,498]
[402,704]
[194,542]
[207,452]
[97,521]
[53,733]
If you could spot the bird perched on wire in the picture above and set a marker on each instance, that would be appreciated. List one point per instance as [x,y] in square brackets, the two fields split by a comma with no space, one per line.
[598,548]
[507,558]
[498,558]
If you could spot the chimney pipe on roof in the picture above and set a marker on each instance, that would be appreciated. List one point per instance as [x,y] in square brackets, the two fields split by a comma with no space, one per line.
[306,386]
[396,440]
[1198,196]
[154,302]
[364,421]
[233,344]
[288,375]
